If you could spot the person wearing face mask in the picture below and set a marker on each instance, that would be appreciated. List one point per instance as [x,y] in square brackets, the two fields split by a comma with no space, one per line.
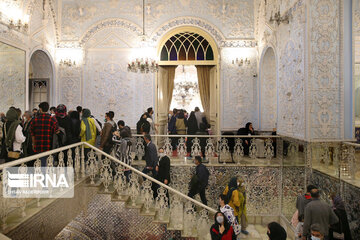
[316,233]
[163,171]
[221,229]
[276,231]
[229,213]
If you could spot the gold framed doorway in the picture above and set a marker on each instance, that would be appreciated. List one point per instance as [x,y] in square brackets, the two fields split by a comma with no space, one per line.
[187,46]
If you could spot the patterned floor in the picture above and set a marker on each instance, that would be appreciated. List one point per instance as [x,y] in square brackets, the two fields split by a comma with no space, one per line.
[111,220]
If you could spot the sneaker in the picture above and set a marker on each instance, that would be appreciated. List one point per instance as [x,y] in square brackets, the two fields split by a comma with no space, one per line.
[245,232]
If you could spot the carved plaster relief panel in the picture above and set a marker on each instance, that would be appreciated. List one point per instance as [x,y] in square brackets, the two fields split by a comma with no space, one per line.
[86,13]
[239,89]
[12,77]
[356,18]
[325,83]
[109,86]
[37,15]
[224,14]
[70,86]
[40,65]
[268,89]
[291,89]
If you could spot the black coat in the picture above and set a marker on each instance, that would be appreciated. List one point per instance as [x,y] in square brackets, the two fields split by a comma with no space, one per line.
[65,123]
[151,156]
[75,130]
[202,174]
[164,169]
[192,125]
[142,126]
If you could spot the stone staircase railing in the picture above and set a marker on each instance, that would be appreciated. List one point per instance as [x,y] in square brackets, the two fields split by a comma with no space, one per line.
[105,172]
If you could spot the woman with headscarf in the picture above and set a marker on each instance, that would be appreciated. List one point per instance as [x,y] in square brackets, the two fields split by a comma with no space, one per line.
[64,122]
[192,129]
[276,231]
[340,230]
[221,229]
[247,130]
[232,194]
[143,126]
[241,214]
[75,127]
[88,130]
[13,135]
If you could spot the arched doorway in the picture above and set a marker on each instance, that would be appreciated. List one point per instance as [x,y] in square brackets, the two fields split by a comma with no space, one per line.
[40,79]
[268,91]
[188,46]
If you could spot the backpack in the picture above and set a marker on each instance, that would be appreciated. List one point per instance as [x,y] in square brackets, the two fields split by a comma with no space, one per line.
[59,140]
[145,127]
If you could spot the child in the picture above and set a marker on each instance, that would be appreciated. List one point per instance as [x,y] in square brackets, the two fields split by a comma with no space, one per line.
[299,227]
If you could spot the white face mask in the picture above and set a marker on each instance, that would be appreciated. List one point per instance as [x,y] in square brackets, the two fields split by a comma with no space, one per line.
[161,154]
[314,238]
[220,219]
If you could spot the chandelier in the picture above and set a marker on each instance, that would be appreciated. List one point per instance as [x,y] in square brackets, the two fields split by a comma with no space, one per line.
[143,64]
[185,90]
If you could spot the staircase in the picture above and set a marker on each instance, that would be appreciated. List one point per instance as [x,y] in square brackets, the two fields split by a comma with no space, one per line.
[103,175]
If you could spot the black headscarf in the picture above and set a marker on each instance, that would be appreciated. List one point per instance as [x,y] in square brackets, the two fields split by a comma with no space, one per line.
[277,232]
[247,126]
[192,124]
[216,225]
[231,186]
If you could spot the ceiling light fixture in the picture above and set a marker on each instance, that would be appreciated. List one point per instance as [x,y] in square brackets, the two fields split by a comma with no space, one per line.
[143,64]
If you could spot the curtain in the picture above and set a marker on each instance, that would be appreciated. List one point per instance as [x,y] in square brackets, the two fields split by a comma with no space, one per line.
[170,84]
[203,73]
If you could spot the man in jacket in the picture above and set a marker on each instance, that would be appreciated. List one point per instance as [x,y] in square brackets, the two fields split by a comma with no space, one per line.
[199,181]
[303,200]
[107,132]
[151,156]
[318,212]
[42,129]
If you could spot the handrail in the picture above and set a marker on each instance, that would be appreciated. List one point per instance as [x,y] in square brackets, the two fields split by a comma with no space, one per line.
[207,136]
[352,144]
[152,179]
[37,156]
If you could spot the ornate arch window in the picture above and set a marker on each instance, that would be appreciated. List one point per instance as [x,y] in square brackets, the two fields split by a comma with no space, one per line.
[187,46]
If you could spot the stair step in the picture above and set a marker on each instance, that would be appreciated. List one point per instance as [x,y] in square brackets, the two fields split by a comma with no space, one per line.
[129,204]
[110,189]
[193,235]
[151,211]
[119,198]
[172,227]
[96,183]
[164,220]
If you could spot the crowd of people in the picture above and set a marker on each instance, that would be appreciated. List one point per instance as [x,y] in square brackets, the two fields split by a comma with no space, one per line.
[47,128]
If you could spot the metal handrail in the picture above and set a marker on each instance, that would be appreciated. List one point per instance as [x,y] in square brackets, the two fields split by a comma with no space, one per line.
[152,179]
[37,156]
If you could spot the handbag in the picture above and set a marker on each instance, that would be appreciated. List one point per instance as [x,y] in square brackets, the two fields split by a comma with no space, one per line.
[12,154]
[339,236]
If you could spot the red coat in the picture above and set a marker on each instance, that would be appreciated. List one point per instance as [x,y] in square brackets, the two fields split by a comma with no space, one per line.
[226,235]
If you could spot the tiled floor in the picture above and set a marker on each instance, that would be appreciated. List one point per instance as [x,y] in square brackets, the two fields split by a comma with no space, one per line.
[256,232]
